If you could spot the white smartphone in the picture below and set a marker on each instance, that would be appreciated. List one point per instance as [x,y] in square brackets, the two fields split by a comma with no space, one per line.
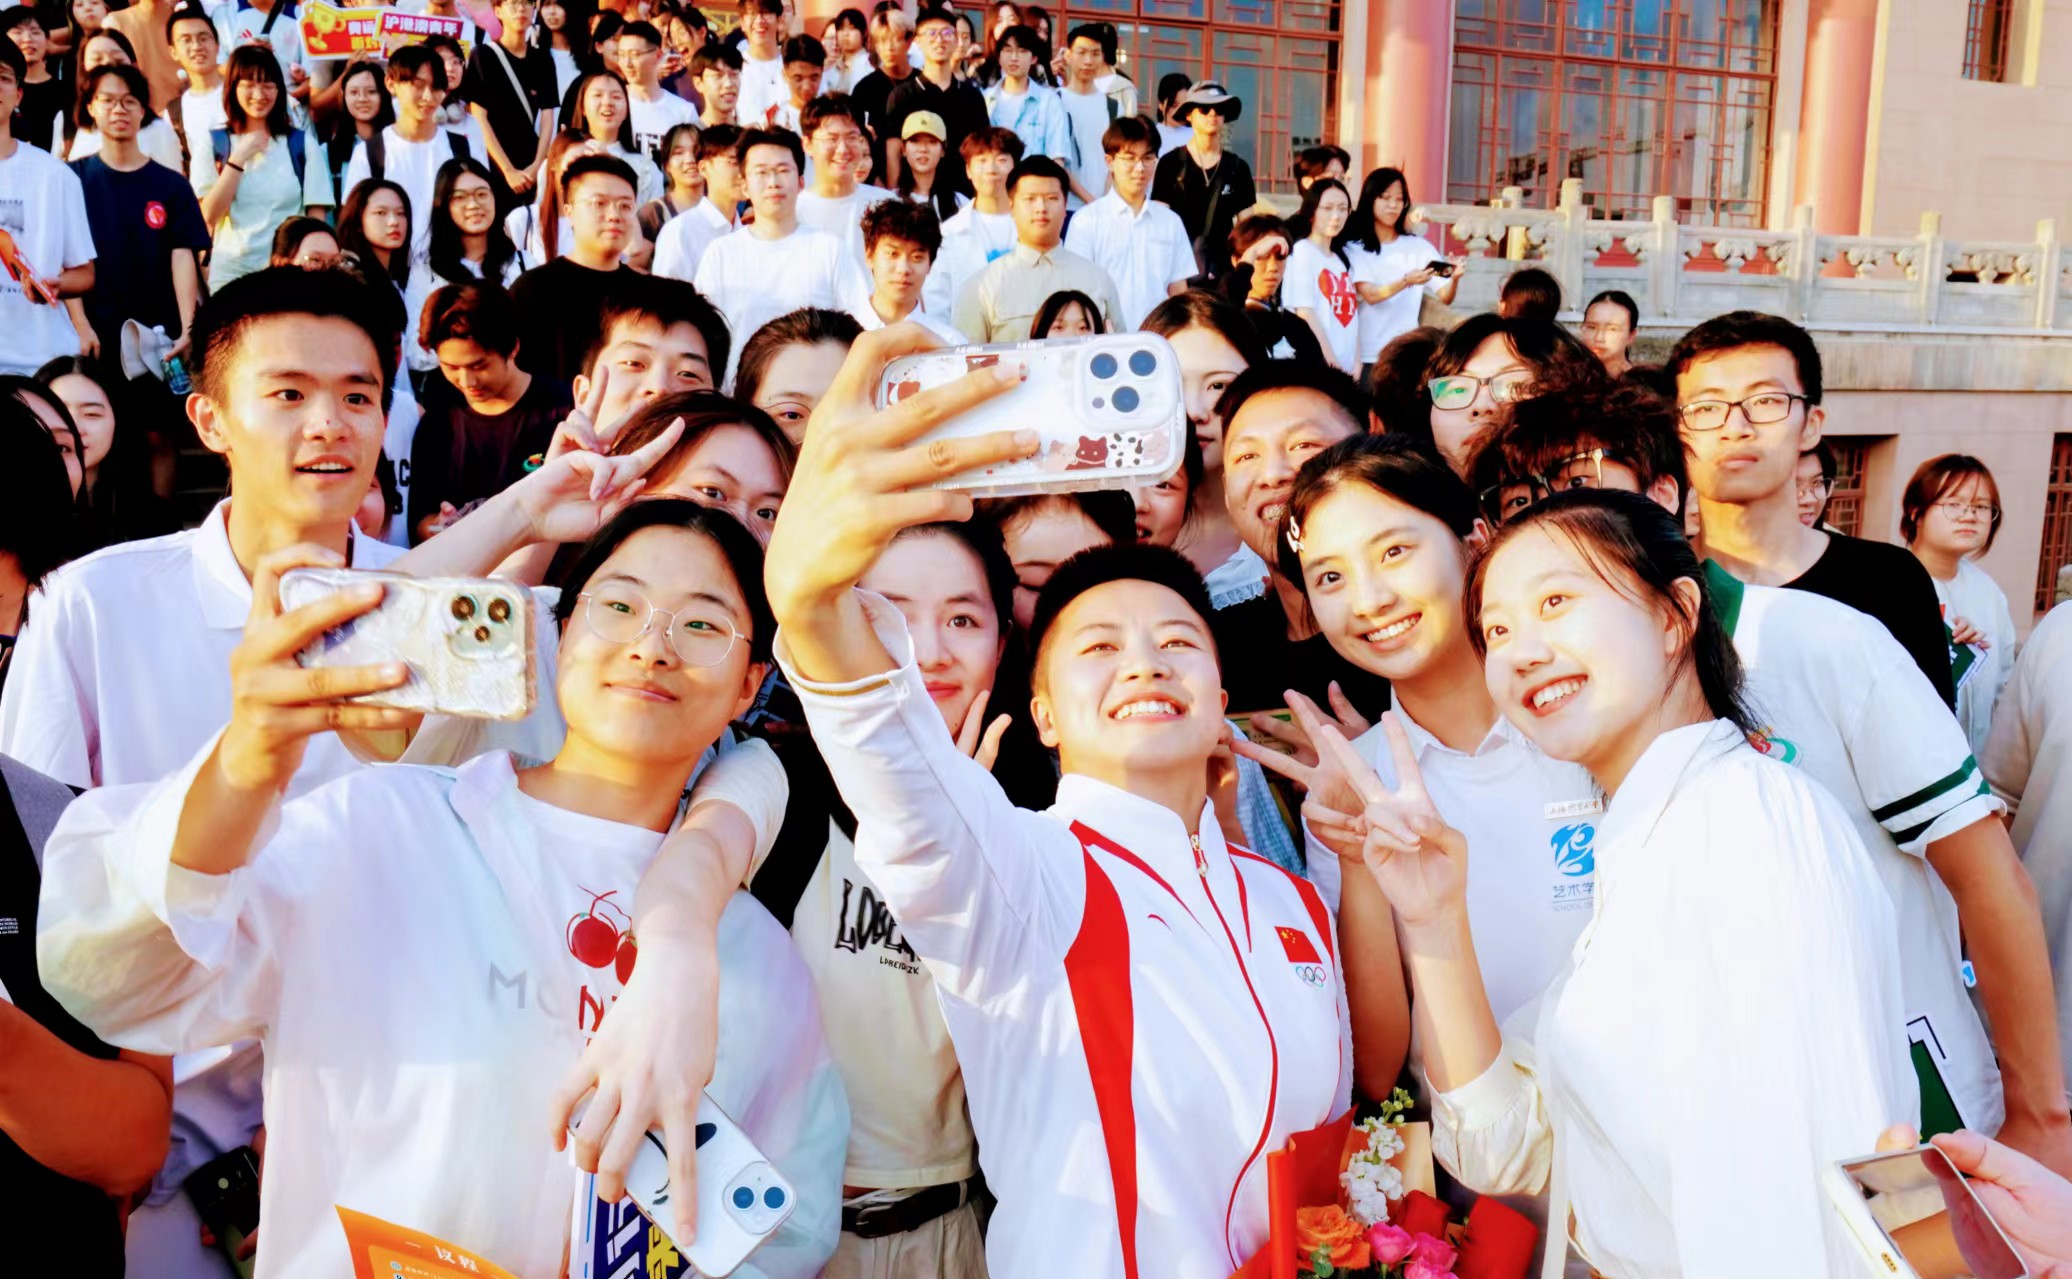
[467,641]
[742,1200]
[1111,410]
[1914,1216]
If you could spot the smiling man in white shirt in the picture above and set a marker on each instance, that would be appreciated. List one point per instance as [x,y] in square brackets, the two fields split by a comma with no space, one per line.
[774,265]
[901,242]
[1140,243]
[762,61]
[834,200]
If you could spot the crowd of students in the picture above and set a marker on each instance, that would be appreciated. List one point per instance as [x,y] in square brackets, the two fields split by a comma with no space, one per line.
[1474,708]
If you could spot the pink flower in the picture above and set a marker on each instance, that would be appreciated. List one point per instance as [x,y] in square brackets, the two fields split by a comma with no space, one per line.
[1433,1252]
[1424,1270]
[1390,1244]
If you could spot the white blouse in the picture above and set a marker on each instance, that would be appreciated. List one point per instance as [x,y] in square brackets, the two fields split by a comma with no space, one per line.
[1728,1024]
[1974,596]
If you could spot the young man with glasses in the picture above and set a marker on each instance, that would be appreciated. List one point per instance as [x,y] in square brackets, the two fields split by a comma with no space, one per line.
[561,305]
[835,201]
[1840,702]
[936,88]
[1140,243]
[716,70]
[1814,483]
[1017,102]
[1748,393]
[762,62]
[510,87]
[655,110]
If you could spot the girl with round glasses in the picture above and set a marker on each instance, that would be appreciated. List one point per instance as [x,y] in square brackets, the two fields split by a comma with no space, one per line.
[1949,515]
[423,952]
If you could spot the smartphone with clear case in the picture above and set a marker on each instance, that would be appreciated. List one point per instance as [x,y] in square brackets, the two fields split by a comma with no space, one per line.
[468,642]
[1110,409]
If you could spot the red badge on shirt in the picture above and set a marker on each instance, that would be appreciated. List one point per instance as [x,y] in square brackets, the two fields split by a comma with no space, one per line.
[154,216]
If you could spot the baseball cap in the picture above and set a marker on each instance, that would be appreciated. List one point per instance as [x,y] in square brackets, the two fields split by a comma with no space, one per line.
[927,122]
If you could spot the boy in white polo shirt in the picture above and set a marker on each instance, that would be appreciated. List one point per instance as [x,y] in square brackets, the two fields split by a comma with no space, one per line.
[1841,700]
[900,244]
[1140,243]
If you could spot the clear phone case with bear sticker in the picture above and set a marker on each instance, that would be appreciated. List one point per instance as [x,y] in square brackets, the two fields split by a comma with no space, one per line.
[467,641]
[1110,409]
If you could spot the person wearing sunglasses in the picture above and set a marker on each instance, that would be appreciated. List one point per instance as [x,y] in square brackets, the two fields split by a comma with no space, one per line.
[1840,701]
[1950,515]
[1486,365]
[1259,246]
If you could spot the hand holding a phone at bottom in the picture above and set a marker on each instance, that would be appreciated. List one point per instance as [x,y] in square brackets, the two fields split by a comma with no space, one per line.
[2028,1201]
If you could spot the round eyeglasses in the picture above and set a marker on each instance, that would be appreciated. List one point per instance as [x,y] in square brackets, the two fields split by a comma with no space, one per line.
[1508,500]
[700,632]
[1459,390]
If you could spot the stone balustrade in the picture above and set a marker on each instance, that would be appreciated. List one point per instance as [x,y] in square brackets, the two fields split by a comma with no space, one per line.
[1679,274]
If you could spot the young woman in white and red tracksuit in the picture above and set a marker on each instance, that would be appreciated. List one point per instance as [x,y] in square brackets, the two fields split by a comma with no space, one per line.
[1142,1012]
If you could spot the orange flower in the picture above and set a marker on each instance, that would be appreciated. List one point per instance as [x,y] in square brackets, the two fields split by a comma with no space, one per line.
[1342,1238]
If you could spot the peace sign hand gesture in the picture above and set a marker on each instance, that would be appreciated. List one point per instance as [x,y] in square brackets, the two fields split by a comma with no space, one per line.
[1332,809]
[1419,862]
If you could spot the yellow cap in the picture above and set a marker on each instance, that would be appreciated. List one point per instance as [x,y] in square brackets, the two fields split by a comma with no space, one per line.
[925,122]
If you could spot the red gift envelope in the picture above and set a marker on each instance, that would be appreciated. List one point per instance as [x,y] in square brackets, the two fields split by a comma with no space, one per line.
[1304,1175]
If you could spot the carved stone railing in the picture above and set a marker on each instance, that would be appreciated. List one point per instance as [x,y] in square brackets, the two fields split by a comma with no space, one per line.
[1679,274]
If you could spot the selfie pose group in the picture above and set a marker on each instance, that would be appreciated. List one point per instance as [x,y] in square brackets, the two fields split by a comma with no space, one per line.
[1471,710]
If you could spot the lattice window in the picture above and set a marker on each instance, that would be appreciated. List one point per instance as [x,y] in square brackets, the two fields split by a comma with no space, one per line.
[1986,28]
[1845,499]
[1637,98]
[2057,524]
[1279,56]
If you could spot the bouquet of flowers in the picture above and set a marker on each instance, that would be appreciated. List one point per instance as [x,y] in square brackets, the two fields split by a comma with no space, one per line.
[1356,1238]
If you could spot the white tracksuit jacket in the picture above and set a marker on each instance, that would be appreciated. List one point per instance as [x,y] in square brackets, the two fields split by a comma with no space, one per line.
[1141,1017]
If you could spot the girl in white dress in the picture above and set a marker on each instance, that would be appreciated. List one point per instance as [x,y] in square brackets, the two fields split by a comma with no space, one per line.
[1725,1024]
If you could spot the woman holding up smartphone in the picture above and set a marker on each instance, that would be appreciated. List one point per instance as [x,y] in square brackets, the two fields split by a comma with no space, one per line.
[1392,268]
[423,952]
[1739,922]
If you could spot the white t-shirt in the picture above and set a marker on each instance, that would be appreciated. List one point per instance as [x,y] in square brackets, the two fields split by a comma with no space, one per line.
[971,241]
[158,140]
[2029,761]
[1841,701]
[762,87]
[1974,596]
[842,216]
[1087,113]
[1171,137]
[867,315]
[1382,322]
[44,208]
[1145,251]
[201,114]
[683,239]
[652,119]
[239,23]
[1321,284]
[753,281]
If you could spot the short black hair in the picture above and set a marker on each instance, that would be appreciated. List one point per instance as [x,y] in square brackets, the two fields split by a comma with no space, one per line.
[775,8]
[785,138]
[828,106]
[713,56]
[641,31]
[189,13]
[11,58]
[1171,85]
[737,546]
[17,16]
[991,140]
[1333,383]
[1128,131]
[1101,33]
[1314,162]
[478,311]
[1737,329]
[1824,454]
[666,303]
[804,49]
[585,165]
[719,139]
[1122,561]
[1037,166]
[1530,293]
[220,325]
[905,220]
[1021,36]
[934,13]
[1630,423]
[406,62]
[1112,511]
[132,79]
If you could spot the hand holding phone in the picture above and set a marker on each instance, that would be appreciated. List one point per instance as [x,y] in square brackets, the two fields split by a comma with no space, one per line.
[466,643]
[1914,1216]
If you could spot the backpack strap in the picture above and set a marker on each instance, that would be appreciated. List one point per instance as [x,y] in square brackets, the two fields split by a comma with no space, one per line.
[377,155]
[457,145]
[38,800]
[802,841]
[295,153]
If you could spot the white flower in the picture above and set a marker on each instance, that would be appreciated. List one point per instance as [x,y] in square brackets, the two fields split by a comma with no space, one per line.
[1369,1180]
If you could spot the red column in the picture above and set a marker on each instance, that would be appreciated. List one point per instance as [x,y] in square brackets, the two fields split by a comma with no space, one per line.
[1834,122]
[1409,75]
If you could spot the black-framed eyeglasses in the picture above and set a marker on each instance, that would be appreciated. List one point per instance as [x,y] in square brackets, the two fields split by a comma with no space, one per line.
[1507,500]
[1760,409]
[700,632]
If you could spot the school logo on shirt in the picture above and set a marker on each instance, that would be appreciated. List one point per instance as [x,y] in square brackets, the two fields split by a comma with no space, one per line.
[1781,749]
[154,216]
[1302,953]
[865,921]
[1575,850]
[1338,291]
